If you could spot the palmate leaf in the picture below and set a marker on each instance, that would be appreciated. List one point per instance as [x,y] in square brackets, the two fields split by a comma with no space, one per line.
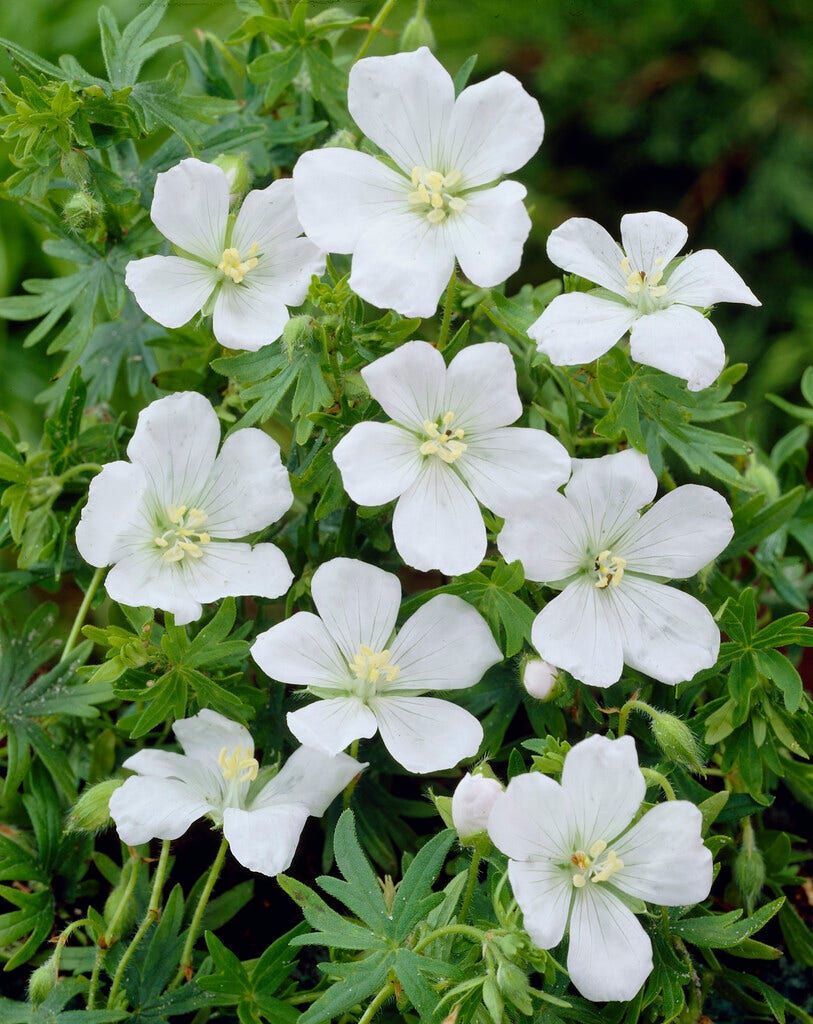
[52,1009]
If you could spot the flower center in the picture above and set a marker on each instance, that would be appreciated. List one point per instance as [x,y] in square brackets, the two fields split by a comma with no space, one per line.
[609,569]
[240,765]
[183,538]
[235,268]
[593,868]
[445,441]
[434,195]
[369,666]
[646,288]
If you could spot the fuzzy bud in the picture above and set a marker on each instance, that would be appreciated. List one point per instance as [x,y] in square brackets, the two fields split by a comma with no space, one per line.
[84,214]
[762,478]
[42,982]
[237,173]
[91,811]
[749,870]
[416,33]
[471,804]
[74,165]
[539,678]
[677,741]
[297,333]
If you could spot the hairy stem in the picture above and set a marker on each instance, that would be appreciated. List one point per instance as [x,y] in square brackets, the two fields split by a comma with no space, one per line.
[376,1004]
[443,337]
[474,868]
[375,27]
[79,621]
[185,968]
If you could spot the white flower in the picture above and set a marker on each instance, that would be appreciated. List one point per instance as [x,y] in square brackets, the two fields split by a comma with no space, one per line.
[575,864]
[448,448]
[372,680]
[472,801]
[213,777]
[539,678]
[642,291]
[609,560]
[169,519]
[257,263]
[406,224]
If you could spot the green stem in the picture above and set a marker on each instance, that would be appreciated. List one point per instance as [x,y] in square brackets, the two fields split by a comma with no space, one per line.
[104,942]
[351,785]
[655,777]
[375,27]
[84,467]
[186,957]
[63,938]
[376,1004]
[474,868]
[624,713]
[449,929]
[79,621]
[447,312]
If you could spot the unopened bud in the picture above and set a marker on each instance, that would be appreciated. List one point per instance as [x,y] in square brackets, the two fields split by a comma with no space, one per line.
[493,1000]
[539,678]
[471,804]
[91,812]
[676,740]
[42,982]
[749,870]
[75,167]
[297,333]
[237,174]
[762,478]
[84,214]
[355,386]
[417,33]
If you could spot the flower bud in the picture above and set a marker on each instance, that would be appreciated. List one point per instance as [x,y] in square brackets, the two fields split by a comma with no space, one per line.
[84,214]
[676,740]
[343,139]
[74,165]
[42,982]
[297,333]
[416,33]
[763,478]
[91,812]
[237,173]
[471,804]
[749,870]
[539,678]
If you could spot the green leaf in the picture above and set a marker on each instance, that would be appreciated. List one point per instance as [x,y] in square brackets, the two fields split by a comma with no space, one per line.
[750,529]
[125,52]
[719,931]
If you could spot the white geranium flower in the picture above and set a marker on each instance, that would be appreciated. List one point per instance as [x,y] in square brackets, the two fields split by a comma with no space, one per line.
[405,224]
[372,680]
[448,448]
[609,561]
[258,263]
[168,520]
[576,865]
[472,800]
[539,678]
[213,777]
[644,292]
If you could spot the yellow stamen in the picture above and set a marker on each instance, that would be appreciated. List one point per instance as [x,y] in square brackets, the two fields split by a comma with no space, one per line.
[433,191]
[239,765]
[183,538]
[609,569]
[236,268]
[611,864]
[646,286]
[444,441]
[589,870]
[369,666]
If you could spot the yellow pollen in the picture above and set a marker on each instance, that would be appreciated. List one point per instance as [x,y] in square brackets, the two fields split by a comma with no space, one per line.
[609,569]
[444,441]
[588,868]
[433,194]
[580,860]
[183,538]
[579,881]
[369,666]
[235,268]
[239,765]
[642,284]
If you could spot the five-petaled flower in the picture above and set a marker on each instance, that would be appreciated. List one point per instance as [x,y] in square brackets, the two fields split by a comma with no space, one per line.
[406,224]
[608,560]
[257,263]
[644,291]
[214,777]
[372,680]
[448,448]
[576,865]
[168,520]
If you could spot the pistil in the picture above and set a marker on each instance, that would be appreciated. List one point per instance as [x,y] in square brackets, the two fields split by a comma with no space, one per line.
[434,193]
[445,441]
[236,268]
[609,569]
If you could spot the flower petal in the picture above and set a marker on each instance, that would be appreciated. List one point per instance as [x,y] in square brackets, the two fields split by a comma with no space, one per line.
[548,537]
[267,216]
[578,631]
[205,734]
[481,387]
[665,861]
[531,820]
[287,270]
[578,328]
[445,645]
[544,892]
[166,764]
[581,246]
[144,578]
[300,651]
[359,603]
[424,734]
[311,778]
[404,104]
[331,725]
[648,237]
[190,207]
[682,532]
[437,523]
[705,278]
[248,315]
[488,235]
[408,384]
[112,514]
[665,633]
[610,954]
[514,467]
[264,839]
[607,493]
[680,341]
[604,786]
[147,808]
[231,569]
[378,462]
[170,289]
[495,128]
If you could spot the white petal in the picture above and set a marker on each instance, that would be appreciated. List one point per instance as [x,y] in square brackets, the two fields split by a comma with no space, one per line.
[358,603]
[665,861]
[437,523]
[544,892]
[403,262]
[248,488]
[472,801]
[409,383]
[231,569]
[705,278]
[578,328]
[340,192]
[147,808]
[578,631]
[531,820]
[166,764]
[581,246]
[680,341]
[264,840]
[488,235]
[248,315]
[549,538]
[445,645]
[680,534]
[647,237]
[667,634]
[112,513]
[190,207]
[424,734]
[170,289]
[378,462]
[311,778]
[267,216]
[514,467]
[610,955]
[286,271]
[607,493]
[175,441]
[495,128]
[604,787]
[300,651]
[205,734]
[481,387]
[331,725]
[404,104]
[144,578]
